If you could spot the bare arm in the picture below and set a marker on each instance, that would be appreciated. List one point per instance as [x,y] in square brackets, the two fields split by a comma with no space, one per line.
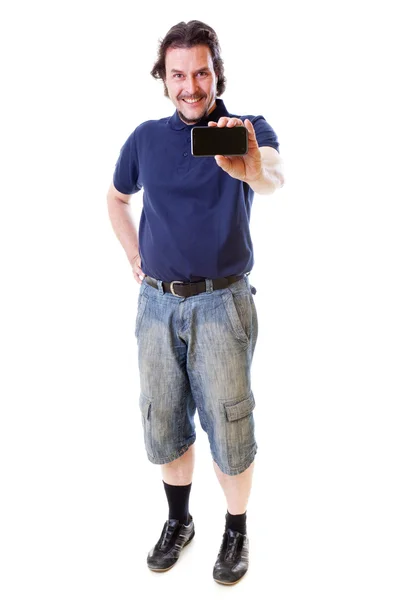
[272,177]
[124,228]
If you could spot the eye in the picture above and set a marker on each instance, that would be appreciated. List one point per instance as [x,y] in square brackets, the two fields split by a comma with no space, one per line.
[199,73]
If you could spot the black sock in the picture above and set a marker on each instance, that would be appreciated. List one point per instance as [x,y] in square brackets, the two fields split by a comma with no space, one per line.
[236,522]
[178,501]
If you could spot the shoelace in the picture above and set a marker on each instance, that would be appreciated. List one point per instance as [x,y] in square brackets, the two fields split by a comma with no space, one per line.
[167,535]
[232,547]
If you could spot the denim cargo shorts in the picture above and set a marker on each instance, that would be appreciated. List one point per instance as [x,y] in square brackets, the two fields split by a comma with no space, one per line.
[196,353]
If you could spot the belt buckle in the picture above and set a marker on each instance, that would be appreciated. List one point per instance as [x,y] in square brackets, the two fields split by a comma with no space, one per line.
[172,288]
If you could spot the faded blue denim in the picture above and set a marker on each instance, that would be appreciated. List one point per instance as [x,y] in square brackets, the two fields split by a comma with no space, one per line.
[196,353]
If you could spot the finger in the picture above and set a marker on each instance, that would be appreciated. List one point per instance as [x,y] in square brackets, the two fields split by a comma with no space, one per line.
[223,162]
[223,121]
[212,124]
[234,122]
[249,126]
[138,274]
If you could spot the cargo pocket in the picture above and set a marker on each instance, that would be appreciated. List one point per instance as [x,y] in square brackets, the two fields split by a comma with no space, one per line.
[240,440]
[238,410]
[145,408]
[142,302]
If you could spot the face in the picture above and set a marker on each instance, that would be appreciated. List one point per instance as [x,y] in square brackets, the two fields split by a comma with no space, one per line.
[190,75]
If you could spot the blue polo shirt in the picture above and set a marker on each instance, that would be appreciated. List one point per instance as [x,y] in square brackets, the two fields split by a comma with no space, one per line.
[195,222]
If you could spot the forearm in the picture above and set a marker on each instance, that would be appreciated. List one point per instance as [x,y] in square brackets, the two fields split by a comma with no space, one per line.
[123,226]
[269,180]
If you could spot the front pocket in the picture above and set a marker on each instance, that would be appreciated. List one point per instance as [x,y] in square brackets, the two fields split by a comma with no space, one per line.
[239,311]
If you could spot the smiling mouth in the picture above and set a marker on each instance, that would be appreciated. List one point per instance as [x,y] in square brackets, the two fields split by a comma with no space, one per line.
[191,103]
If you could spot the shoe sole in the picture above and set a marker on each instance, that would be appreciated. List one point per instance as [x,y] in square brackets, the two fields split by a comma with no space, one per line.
[228,582]
[168,568]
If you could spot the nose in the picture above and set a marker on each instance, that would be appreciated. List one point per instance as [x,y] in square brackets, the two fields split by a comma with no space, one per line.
[191,86]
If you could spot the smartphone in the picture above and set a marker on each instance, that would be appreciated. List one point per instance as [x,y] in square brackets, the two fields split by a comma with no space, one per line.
[227,141]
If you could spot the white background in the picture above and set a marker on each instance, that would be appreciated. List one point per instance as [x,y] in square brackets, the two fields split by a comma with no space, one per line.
[80,504]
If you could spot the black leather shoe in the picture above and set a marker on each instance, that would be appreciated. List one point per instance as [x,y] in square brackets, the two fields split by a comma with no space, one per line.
[173,538]
[233,558]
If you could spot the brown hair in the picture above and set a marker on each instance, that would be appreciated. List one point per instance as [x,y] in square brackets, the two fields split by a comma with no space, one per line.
[187,35]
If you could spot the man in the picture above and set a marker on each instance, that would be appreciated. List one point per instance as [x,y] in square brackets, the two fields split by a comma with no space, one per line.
[196,324]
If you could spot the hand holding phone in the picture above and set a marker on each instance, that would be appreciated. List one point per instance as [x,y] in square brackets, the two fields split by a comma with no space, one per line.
[245,163]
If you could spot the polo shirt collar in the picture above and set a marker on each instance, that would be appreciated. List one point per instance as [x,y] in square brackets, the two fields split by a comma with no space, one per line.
[176,123]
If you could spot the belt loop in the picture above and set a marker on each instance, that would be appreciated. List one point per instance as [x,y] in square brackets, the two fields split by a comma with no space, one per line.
[209,286]
[160,287]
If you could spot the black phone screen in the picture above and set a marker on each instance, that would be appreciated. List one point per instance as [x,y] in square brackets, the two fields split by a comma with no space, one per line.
[228,141]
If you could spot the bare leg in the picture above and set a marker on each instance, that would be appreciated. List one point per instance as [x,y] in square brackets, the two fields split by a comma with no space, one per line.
[180,471]
[236,488]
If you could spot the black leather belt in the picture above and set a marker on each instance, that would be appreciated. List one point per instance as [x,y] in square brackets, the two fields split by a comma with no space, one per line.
[185,290]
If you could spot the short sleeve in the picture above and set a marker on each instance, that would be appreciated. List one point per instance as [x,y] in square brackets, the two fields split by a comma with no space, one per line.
[265,135]
[126,173]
